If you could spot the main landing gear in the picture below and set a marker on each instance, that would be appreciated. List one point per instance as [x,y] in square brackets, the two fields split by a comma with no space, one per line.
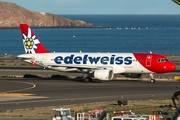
[87,79]
[152,78]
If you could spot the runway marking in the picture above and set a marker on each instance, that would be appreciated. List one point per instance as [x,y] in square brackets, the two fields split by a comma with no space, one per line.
[86,98]
[15,94]
[12,92]
[33,86]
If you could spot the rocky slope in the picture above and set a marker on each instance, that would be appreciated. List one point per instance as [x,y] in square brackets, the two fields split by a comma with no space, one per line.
[11,15]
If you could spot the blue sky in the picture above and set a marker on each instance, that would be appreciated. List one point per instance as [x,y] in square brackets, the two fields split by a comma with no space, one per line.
[100,6]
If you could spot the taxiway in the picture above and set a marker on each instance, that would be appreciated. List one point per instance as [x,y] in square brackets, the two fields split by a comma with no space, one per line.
[19,93]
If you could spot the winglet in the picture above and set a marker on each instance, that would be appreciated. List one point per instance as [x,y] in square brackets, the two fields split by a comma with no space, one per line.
[31,43]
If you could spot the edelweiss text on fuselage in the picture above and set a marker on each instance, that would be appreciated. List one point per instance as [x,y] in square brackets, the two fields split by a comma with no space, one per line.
[86,59]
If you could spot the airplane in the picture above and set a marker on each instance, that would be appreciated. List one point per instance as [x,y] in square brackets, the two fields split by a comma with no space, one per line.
[101,66]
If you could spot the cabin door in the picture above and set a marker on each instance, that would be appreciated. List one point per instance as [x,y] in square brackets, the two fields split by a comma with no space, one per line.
[148,60]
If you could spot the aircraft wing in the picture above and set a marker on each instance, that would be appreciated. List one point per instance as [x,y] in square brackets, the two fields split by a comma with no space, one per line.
[25,57]
[81,66]
[116,70]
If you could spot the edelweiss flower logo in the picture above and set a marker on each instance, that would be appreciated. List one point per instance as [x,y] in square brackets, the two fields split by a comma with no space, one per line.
[30,42]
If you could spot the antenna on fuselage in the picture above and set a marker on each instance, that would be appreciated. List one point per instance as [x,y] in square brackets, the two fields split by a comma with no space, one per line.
[150,52]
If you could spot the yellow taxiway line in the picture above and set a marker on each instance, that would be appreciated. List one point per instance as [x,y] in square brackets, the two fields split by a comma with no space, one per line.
[15,94]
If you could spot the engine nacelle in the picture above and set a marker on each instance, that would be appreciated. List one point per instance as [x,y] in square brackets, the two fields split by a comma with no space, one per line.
[103,74]
[132,75]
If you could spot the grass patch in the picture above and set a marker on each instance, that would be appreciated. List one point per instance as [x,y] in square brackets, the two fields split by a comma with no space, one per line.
[2,111]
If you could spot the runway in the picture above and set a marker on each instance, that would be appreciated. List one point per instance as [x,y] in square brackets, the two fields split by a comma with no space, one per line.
[20,93]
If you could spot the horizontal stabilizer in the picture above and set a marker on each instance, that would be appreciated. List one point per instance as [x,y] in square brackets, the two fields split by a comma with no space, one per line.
[25,56]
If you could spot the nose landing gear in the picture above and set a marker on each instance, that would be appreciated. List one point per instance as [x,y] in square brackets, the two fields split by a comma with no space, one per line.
[152,78]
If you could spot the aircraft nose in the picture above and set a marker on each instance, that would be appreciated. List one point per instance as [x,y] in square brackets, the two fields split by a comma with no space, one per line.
[171,67]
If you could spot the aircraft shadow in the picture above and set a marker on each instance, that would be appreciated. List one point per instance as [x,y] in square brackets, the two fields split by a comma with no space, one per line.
[79,79]
[60,77]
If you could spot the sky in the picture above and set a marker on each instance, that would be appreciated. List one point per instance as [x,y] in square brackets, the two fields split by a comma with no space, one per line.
[100,6]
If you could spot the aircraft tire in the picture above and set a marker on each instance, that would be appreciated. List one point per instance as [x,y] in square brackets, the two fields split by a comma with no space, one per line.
[87,79]
[152,81]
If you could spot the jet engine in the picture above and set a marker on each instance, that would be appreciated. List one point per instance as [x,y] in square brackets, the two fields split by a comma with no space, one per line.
[132,75]
[103,74]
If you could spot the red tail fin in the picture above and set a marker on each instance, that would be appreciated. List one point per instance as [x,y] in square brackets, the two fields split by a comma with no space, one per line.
[31,43]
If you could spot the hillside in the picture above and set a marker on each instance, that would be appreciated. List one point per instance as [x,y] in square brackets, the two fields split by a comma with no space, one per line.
[12,15]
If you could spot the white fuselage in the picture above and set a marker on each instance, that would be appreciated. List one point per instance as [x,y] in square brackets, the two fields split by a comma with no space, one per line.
[118,62]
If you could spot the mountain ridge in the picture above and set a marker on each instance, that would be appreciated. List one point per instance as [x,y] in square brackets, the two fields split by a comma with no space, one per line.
[12,15]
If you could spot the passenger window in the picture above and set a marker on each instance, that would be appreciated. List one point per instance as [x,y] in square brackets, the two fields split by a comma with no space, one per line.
[141,60]
[78,60]
[106,59]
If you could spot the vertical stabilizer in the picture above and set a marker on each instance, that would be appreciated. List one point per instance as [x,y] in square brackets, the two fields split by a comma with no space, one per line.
[31,43]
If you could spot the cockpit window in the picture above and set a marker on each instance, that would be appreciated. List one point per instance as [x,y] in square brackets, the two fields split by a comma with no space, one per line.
[166,60]
[163,60]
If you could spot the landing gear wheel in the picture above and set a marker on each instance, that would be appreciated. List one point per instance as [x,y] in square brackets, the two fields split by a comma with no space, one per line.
[87,79]
[152,81]
[152,78]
